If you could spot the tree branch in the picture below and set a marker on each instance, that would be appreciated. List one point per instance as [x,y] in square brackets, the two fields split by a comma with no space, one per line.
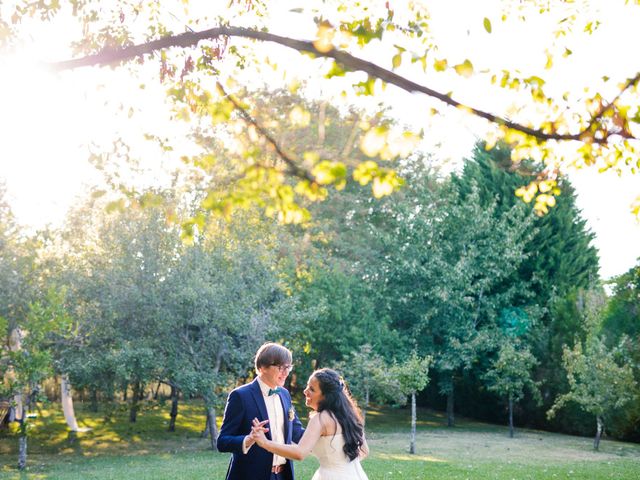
[293,166]
[189,39]
[606,106]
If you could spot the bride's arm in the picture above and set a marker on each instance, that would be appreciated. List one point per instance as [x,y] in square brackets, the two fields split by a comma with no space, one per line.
[294,452]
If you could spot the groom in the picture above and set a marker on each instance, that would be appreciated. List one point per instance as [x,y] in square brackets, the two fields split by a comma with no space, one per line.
[264,399]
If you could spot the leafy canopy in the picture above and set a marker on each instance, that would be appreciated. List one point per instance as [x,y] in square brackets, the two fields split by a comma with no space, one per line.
[594,125]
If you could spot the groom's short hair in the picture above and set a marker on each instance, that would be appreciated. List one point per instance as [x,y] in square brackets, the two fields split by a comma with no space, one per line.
[272,354]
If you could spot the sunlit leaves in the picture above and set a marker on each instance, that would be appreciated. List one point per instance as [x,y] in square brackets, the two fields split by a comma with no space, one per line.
[190,227]
[396,60]
[366,87]
[543,191]
[385,181]
[299,117]
[150,199]
[363,30]
[543,202]
[387,144]
[365,172]
[590,27]
[265,188]
[289,213]
[549,64]
[464,69]
[326,173]
[553,121]
[487,24]
[422,59]
[261,176]
[635,208]
[311,190]
[116,206]
[336,70]
[440,65]
[374,141]
[324,37]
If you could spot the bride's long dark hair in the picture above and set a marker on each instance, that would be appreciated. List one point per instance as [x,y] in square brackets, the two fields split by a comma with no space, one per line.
[338,402]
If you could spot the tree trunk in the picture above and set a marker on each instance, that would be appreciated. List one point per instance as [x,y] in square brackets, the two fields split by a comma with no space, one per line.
[412,446]
[510,416]
[174,409]
[22,444]
[135,399]
[205,432]
[212,427]
[599,430]
[125,392]
[66,400]
[366,405]
[141,391]
[155,395]
[450,403]
[94,400]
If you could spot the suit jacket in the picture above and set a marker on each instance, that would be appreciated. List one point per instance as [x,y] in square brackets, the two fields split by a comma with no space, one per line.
[243,405]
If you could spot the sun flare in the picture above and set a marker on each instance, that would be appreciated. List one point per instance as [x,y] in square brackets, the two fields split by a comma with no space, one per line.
[43,125]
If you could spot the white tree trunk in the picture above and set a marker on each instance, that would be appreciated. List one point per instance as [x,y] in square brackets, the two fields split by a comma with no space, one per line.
[18,409]
[15,344]
[22,451]
[412,446]
[67,404]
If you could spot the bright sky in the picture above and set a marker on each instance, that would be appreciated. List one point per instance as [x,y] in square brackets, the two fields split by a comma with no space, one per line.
[48,120]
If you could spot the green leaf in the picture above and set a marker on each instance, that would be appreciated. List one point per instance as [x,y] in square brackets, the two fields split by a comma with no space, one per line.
[464,69]
[336,70]
[115,206]
[487,24]
[440,65]
[396,61]
[366,88]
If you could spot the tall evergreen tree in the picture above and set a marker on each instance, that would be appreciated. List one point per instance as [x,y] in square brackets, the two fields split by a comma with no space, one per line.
[561,256]
[560,259]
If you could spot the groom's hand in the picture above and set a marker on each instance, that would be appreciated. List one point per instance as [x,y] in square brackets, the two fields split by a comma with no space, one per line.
[258,431]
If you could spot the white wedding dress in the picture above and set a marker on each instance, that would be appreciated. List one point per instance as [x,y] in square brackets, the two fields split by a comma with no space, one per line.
[334,464]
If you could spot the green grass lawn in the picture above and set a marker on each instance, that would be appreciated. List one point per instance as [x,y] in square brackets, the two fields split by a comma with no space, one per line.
[117,449]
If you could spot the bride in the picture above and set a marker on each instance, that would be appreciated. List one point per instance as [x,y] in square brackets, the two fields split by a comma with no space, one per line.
[335,433]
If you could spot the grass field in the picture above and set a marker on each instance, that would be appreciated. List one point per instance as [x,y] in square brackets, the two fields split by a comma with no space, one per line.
[117,449]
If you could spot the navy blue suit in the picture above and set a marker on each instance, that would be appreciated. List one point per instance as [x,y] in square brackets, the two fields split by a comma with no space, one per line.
[243,405]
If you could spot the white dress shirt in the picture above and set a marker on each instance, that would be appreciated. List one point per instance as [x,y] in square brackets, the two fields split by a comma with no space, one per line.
[275,412]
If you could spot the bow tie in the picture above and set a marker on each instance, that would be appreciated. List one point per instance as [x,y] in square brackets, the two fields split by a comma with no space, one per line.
[274,391]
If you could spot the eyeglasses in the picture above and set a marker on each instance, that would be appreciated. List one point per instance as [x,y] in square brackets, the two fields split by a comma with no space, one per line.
[283,368]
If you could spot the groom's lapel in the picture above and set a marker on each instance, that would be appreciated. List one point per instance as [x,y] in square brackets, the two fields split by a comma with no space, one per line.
[256,393]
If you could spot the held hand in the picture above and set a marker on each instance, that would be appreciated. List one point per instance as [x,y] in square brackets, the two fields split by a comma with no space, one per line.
[260,425]
[258,436]
[258,431]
